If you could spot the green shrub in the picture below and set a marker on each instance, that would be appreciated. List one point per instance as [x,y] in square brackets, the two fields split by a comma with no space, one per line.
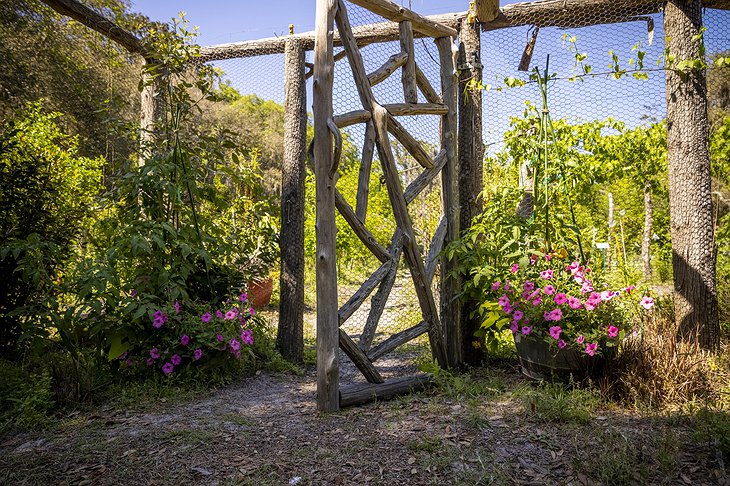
[25,398]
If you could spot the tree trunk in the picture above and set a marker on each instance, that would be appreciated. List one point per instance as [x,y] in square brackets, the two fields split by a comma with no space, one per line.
[471,156]
[290,336]
[690,203]
[646,240]
[526,206]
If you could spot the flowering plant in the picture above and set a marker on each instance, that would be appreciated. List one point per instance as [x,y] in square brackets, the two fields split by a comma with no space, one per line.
[548,298]
[182,335]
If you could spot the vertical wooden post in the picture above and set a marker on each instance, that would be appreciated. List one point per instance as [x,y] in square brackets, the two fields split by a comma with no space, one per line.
[471,154]
[450,286]
[328,399]
[408,73]
[690,202]
[151,111]
[290,336]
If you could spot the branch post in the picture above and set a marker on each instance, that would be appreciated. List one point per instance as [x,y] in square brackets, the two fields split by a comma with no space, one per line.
[290,336]
[328,335]
[471,156]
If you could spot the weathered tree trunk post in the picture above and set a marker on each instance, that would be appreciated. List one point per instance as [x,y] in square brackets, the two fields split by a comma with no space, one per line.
[450,285]
[151,111]
[690,202]
[328,393]
[290,336]
[646,238]
[471,155]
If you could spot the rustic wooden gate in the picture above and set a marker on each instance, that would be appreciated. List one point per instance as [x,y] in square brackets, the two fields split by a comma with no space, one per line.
[381,122]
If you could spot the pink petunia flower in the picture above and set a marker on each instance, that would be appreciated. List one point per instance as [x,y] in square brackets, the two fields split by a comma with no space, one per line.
[580,339]
[514,268]
[533,259]
[230,315]
[514,327]
[548,290]
[562,344]
[537,301]
[177,307]
[546,274]
[646,302]
[548,257]
[155,353]
[590,305]
[574,302]
[219,337]
[495,286]
[243,297]
[247,336]
[529,286]
[612,331]
[586,287]
[198,354]
[252,311]
[176,359]
[167,368]
[150,362]
[219,314]
[185,340]
[630,288]
[503,301]
[560,298]
[526,330]
[591,349]
[573,268]
[517,315]
[555,332]
[206,317]
[235,345]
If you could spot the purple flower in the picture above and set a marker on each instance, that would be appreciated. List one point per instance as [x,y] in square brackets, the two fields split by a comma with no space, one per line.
[219,314]
[591,349]
[553,315]
[529,286]
[646,302]
[504,300]
[252,311]
[219,337]
[129,362]
[167,368]
[176,359]
[231,314]
[133,293]
[537,301]
[123,356]
[177,307]
[514,268]
[580,339]
[546,274]
[155,353]
[206,317]
[247,336]
[590,305]
[555,332]
[549,290]
[243,297]
[560,298]
[517,315]
[159,319]
[198,354]
[526,330]
[574,303]
[612,331]
[150,362]
[235,345]
[562,344]
[514,327]
[495,286]
[185,340]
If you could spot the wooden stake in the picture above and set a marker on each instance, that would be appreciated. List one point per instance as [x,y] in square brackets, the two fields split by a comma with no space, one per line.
[327,320]
[363,179]
[408,74]
[396,13]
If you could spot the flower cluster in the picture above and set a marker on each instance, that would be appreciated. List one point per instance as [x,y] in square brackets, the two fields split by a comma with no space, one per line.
[546,298]
[183,335]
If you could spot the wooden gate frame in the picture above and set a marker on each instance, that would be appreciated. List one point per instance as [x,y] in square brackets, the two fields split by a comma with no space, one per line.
[381,120]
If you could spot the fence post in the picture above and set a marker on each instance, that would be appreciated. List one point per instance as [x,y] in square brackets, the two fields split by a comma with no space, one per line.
[290,335]
[328,373]
[471,155]
[690,201]
[151,110]
[450,285]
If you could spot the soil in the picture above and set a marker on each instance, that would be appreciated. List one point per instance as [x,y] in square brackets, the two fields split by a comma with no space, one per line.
[265,430]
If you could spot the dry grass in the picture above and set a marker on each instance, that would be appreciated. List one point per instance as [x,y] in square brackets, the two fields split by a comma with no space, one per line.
[656,370]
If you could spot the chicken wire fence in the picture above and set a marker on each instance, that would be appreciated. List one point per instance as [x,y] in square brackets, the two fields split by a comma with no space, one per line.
[26,26]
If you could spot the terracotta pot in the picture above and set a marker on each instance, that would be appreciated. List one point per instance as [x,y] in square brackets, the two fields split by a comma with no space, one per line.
[259,292]
[540,361]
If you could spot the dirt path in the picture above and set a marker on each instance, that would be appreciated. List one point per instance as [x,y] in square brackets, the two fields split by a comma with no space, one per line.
[264,430]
